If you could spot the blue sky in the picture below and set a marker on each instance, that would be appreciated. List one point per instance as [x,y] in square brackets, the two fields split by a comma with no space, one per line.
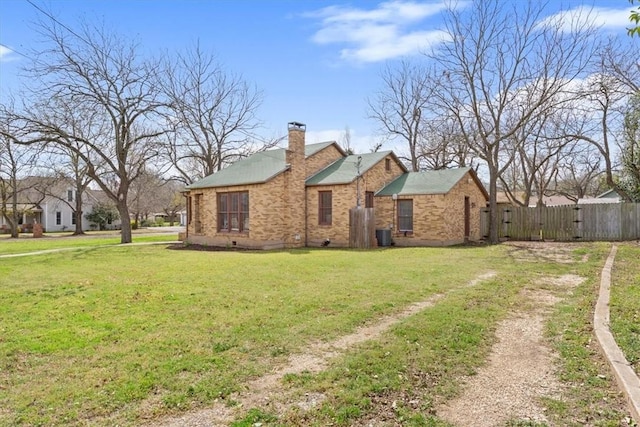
[315,61]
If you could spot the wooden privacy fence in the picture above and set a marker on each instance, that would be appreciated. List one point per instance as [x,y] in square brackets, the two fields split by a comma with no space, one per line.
[362,228]
[610,221]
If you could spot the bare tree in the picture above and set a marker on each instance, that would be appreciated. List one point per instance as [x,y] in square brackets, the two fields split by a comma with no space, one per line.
[345,141]
[399,107]
[502,67]
[171,200]
[213,116]
[16,163]
[98,99]
[68,168]
[579,172]
[540,147]
[442,144]
[604,95]
[143,196]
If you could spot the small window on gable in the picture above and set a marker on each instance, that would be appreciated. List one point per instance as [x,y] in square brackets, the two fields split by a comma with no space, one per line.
[387,164]
[70,195]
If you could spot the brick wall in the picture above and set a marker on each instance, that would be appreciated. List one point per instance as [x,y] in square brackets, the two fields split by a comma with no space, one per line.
[322,159]
[343,199]
[378,177]
[455,202]
[438,219]
[267,205]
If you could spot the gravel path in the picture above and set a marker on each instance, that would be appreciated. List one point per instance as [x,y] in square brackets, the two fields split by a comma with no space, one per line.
[520,368]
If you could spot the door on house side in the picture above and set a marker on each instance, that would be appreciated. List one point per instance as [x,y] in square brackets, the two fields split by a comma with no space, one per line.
[467,219]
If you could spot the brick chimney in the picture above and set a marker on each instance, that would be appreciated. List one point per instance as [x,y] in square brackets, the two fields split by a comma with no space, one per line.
[296,188]
[296,141]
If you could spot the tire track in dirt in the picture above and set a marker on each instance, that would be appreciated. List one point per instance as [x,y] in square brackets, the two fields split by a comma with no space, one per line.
[265,390]
[520,367]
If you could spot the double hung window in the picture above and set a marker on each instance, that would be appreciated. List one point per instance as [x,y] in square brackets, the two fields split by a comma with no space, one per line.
[233,212]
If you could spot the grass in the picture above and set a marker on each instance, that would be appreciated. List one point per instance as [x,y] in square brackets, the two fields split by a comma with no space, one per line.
[625,302]
[28,244]
[122,334]
[590,397]
[415,365]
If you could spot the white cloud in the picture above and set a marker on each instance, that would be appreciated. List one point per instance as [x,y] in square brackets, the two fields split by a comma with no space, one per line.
[378,34]
[5,54]
[602,17]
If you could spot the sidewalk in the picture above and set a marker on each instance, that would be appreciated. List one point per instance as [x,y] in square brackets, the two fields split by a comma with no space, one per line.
[79,248]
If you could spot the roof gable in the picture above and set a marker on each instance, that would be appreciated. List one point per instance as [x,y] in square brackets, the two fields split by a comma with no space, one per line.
[427,182]
[609,194]
[311,149]
[255,169]
[345,170]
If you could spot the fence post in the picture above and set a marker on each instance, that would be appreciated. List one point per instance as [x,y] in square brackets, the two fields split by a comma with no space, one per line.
[505,222]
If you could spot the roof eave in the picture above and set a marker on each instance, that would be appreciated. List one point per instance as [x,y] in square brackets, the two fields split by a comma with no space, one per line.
[264,181]
[474,176]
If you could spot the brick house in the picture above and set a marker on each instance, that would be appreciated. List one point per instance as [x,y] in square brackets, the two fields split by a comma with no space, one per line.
[432,208]
[301,196]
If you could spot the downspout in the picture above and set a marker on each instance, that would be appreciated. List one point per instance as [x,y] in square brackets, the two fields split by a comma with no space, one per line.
[186,223]
[306,216]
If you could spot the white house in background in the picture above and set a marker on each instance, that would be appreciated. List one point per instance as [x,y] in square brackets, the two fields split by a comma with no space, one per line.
[58,210]
[609,196]
[51,203]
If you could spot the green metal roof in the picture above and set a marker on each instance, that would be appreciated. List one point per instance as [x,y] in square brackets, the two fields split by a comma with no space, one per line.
[345,170]
[427,182]
[257,168]
[311,149]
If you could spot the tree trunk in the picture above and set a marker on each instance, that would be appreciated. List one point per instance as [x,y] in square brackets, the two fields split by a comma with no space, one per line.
[79,229]
[14,211]
[125,231]
[493,206]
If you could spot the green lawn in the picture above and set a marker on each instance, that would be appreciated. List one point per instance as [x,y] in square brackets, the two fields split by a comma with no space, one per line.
[123,334]
[28,244]
[625,302]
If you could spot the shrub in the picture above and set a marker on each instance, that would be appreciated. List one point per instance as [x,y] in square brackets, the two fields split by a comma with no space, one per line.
[102,214]
[146,223]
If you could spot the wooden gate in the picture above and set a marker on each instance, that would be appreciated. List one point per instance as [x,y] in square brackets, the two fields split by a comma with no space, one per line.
[362,228]
[589,222]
